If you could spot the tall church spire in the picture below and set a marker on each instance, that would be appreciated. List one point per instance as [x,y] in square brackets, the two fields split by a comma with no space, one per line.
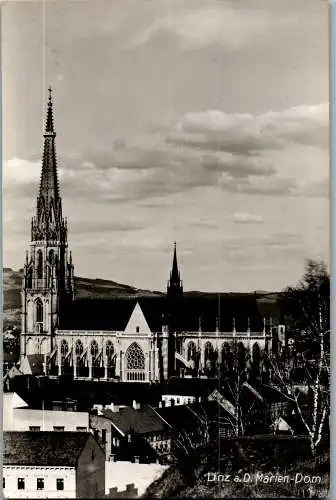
[48,282]
[48,223]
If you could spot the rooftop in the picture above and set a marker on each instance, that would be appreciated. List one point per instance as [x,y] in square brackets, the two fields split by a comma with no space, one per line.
[43,448]
[141,421]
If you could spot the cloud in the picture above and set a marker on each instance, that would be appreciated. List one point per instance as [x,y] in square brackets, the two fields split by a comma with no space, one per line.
[276,153]
[250,134]
[94,226]
[242,217]
[225,25]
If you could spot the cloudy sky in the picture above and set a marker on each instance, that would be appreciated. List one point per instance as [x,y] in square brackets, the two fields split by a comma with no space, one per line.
[200,121]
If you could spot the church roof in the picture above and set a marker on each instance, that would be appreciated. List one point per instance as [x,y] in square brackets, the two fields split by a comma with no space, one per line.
[137,322]
[195,310]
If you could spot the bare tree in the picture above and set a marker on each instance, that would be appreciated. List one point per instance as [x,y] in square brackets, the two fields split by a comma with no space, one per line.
[307,308]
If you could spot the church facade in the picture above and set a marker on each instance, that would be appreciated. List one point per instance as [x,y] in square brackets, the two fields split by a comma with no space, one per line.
[136,353]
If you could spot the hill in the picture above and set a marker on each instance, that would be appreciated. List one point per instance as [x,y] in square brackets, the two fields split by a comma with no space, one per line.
[92,292]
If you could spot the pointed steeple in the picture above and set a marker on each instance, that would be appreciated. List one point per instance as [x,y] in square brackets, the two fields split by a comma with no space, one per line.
[175,275]
[49,205]
[175,283]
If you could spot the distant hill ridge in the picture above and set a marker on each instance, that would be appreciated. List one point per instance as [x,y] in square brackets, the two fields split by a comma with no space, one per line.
[98,289]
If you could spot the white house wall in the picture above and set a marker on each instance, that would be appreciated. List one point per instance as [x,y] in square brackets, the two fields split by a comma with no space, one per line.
[30,475]
[23,418]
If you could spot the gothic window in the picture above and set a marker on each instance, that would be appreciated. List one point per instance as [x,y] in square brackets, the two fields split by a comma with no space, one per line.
[39,264]
[30,278]
[135,359]
[39,311]
[208,351]
[64,348]
[94,348]
[191,352]
[79,350]
[51,256]
[109,352]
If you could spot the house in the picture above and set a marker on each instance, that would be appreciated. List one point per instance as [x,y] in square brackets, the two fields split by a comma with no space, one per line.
[52,465]
[196,423]
[132,433]
[18,416]
[177,399]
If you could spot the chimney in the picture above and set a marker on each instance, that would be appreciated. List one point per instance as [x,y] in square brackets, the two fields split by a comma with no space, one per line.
[160,404]
[136,459]
[136,405]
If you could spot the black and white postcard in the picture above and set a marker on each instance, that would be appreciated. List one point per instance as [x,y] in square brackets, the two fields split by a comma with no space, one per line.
[166,266]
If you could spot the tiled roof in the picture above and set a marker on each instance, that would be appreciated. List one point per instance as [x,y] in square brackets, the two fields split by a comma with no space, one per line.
[141,421]
[43,448]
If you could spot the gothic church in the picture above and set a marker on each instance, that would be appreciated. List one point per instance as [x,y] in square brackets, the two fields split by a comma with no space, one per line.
[136,349]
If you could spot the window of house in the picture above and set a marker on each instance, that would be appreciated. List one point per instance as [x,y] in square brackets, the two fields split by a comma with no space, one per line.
[58,428]
[104,435]
[21,483]
[34,428]
[137,329]
[40,483]
[92,455]
[60,484]
[3,483]
[115,441]
[81,429]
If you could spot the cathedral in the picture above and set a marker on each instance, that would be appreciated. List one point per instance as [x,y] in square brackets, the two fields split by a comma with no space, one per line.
[134,349]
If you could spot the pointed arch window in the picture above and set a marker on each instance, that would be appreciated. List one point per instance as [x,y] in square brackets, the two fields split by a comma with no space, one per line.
[30,278]
[208,351]
[39,269]
[109,349]
[64,351]
[39,311]
[51,256]
[191,352]
[135,359]
[79,350]
[94,348]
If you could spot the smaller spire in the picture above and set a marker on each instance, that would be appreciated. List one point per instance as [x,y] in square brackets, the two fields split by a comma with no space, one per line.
[175,273]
